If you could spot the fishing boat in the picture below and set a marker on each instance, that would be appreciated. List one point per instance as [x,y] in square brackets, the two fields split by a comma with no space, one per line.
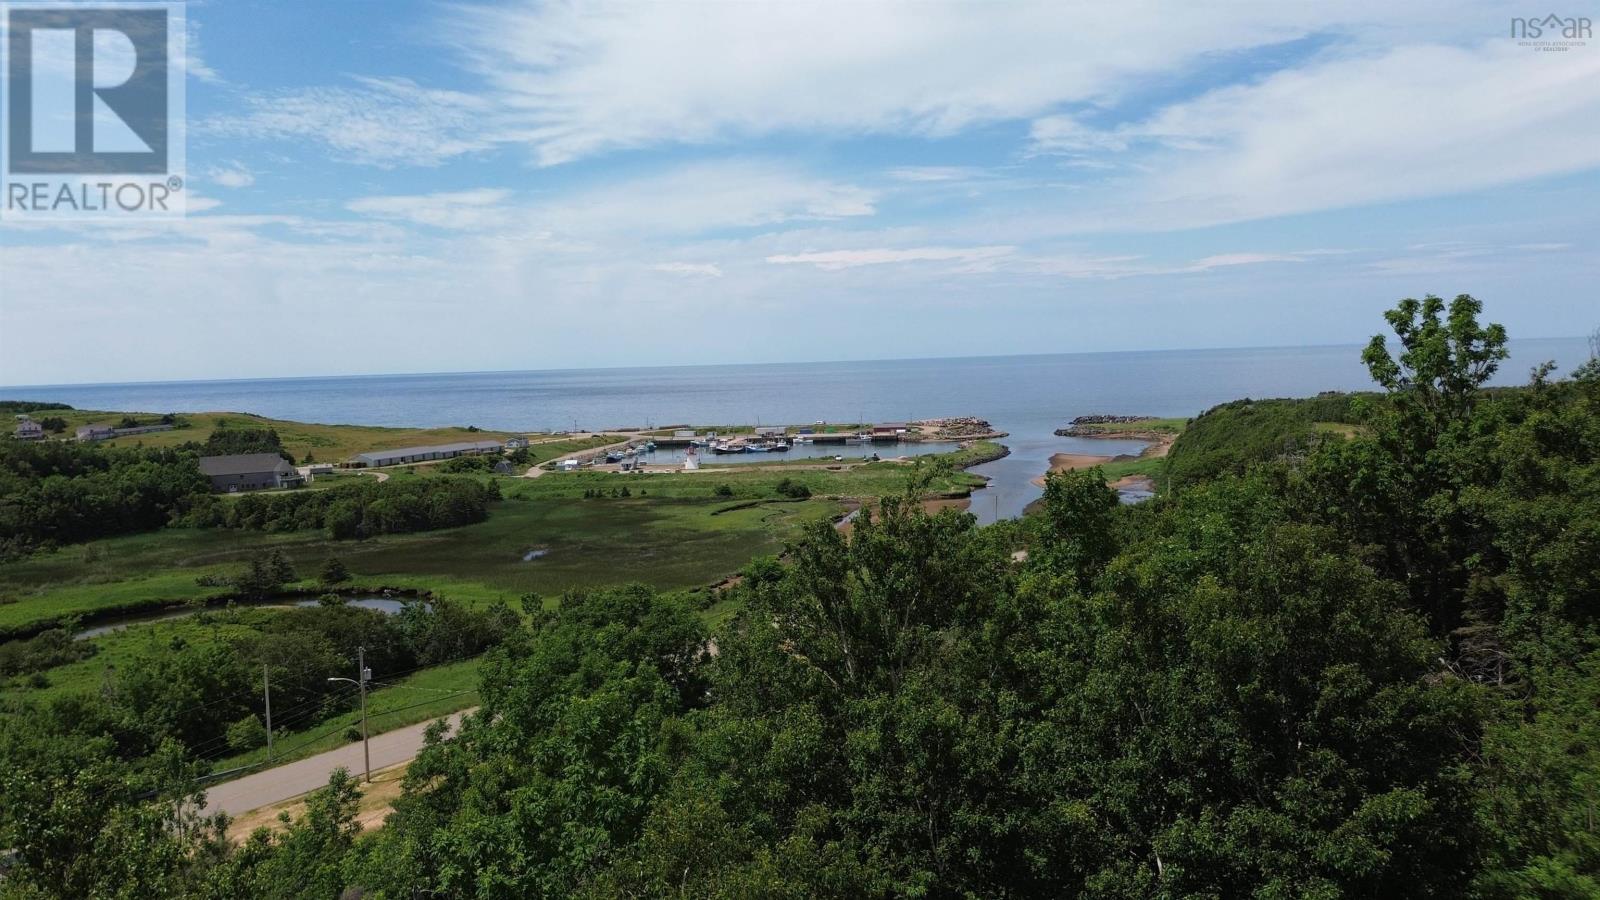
[779,447]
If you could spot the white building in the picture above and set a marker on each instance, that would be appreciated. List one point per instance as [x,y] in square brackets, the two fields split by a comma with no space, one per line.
[426,454]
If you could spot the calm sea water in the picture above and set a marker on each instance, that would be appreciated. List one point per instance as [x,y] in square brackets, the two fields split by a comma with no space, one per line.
[1027,396]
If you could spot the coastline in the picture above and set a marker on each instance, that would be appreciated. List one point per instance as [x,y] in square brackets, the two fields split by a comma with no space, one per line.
[1160,443]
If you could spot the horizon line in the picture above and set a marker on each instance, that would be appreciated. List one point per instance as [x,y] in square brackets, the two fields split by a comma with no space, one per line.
[808,362]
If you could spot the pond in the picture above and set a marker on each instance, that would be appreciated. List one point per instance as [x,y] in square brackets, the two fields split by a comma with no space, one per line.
[387,605]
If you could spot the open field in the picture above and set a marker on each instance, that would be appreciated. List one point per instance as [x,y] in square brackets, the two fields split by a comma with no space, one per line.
[672,531]
[665,542]
[325,443]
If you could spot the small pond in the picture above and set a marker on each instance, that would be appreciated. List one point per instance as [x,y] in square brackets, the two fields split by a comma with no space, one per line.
[387,605]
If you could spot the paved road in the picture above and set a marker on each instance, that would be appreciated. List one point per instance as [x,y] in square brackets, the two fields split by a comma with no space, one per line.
[281,783]
[540,469]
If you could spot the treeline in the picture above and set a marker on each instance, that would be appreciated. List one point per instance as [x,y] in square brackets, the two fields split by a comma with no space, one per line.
[12,407]
[357,510]
[1367,668]
[54,493]
[57,492]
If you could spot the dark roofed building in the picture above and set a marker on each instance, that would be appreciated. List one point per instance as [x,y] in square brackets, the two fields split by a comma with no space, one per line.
[249,472]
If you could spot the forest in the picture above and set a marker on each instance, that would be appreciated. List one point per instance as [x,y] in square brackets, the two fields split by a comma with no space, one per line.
[1350,662]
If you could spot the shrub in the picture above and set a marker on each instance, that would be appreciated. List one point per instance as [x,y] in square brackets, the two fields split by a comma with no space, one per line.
[333,572]
[246,734]
[793,489]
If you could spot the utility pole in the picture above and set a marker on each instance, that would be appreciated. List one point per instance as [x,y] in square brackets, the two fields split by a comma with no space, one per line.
[266,690]
[363,675]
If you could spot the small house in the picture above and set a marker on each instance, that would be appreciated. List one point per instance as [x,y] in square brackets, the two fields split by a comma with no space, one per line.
[569,465]
[28,429]
[516,443]
[889,429]
[249,472]
[771,431]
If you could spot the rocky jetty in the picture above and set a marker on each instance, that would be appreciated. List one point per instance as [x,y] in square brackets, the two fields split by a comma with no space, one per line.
[955,428]
[1101,425]
[1110,420]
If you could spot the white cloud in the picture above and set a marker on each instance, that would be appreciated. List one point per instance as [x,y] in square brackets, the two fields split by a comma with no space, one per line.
[576,80]
[710,270]
[448,209]
[705,196]
[233,175]
[378,121]
[934,173]
[1414,121]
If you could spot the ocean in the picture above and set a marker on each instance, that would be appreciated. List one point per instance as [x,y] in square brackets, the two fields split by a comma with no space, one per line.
[1027,396]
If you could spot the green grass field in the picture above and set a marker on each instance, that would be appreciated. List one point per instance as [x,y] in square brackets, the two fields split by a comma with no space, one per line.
[668,543]
[669,533]
[1150,466]
[326,443]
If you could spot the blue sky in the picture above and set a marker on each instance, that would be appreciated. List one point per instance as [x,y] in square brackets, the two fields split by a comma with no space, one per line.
[425,186]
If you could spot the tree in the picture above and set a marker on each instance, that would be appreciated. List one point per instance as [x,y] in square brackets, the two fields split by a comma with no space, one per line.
[1078,537]
[1410,501]
[264,574]
[1590,370]
[307,859]
[1435,380]
[333,572]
